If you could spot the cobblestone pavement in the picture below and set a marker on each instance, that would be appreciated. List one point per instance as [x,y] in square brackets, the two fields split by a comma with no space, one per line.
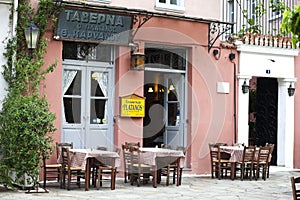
[193,187]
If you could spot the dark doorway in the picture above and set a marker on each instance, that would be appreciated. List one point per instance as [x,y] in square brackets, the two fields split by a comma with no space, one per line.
[266,114]
[153,121]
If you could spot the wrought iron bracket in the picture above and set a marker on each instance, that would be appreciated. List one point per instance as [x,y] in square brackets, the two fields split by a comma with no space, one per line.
[216,29]
[140,19]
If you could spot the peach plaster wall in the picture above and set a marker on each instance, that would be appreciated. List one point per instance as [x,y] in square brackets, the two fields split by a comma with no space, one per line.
[211,113]
[297,115]
[212,121]
[53,82]
[127,82]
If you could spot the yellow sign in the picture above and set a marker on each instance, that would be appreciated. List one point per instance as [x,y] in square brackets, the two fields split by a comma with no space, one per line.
[132,106]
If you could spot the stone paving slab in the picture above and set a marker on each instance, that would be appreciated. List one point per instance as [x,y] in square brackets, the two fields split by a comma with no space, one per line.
[193,187]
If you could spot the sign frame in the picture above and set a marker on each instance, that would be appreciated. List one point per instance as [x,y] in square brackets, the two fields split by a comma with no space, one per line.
[132,106]
[92,26]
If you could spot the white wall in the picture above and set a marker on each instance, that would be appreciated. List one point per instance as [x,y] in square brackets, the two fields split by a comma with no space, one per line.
[274,63]
[5,32]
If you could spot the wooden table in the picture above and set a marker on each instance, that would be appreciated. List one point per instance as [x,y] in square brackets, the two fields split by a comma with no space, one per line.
[149,156]
[236,155]
[82,158]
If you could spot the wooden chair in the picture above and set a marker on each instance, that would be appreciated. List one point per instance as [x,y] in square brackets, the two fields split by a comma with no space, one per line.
[246,165]
[104,167]
[135,144]
[95,165]
[269,162]
[70,170]
[295,187]
[138,171]
[126,161]
[171,166]
[108,169]
[261,162]
[54,170]
[127,158]
[218,164]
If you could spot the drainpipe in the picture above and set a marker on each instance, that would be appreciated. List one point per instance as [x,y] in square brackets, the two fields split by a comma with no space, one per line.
[232,57]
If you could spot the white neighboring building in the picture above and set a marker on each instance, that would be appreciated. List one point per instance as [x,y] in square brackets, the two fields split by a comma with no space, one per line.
[6,31]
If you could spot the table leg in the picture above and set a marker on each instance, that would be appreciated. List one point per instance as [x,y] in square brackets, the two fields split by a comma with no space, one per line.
[87,174]
[178,172]
[155,176]
[113,178]
[232,170]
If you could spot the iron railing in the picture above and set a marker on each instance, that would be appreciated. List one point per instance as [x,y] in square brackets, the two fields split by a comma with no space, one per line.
[262,17]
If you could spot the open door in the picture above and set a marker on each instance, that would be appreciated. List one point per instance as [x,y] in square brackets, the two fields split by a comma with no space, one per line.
[174,110]
[165,109]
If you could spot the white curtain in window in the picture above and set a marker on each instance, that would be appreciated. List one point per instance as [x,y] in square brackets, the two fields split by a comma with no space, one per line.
[68,77]
[102,80]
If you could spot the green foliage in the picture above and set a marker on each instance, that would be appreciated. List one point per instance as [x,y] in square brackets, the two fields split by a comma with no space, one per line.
[254,20]
[291,24]
[26,123]
[277,6]
[253,25]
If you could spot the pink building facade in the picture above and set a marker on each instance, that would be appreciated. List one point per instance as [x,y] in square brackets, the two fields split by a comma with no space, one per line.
[191,84]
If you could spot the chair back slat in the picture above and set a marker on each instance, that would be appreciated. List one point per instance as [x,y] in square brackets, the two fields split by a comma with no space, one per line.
[271,148]
[248,154]
[126,154]
[263,154]
[59,147]
[135,155]
[214,152]
[295,182]
[135,144]
[66,161]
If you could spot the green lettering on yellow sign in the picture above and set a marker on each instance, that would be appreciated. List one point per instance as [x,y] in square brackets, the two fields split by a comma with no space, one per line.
[132,107]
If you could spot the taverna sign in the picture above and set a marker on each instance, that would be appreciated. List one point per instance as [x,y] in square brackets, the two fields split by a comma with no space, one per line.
[80,25]
[132,106]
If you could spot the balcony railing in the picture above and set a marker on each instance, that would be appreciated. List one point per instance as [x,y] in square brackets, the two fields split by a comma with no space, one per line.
[259,17]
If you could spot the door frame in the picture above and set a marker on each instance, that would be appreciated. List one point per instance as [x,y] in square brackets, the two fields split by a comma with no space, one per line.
[181,101]
[257,61]
[183,115]
[85,126]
